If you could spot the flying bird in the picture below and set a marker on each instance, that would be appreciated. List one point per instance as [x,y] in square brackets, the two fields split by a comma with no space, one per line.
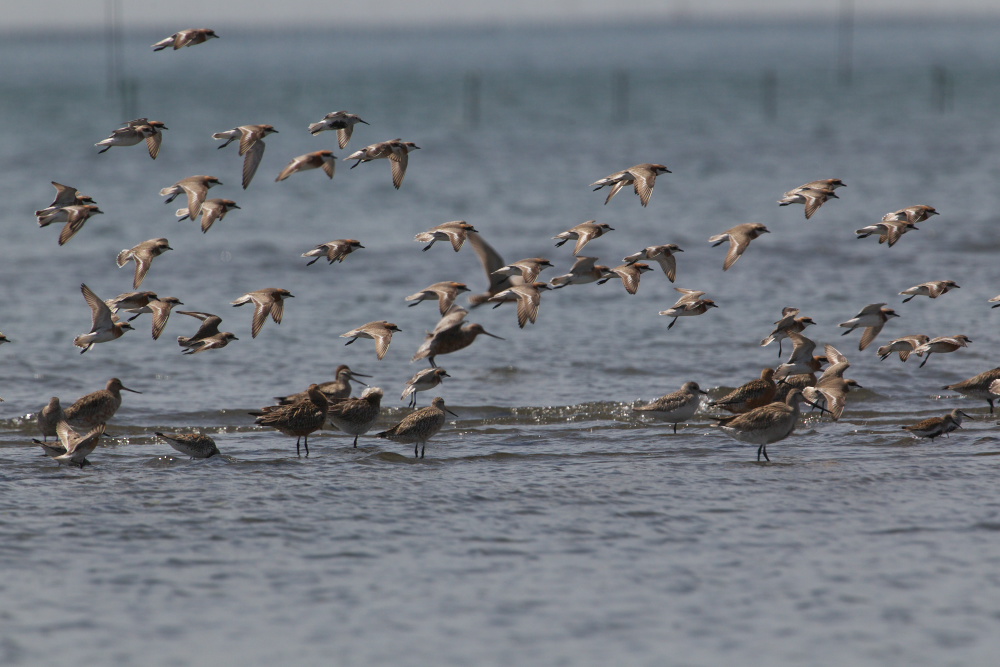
[251,146]
[196,189]
[324,160]
[872,317]
[642,177]
[739,238]
[334,251]
[379,331]
[583,234]
[211,210]
[104,326]
[267,301]
[341,121]
[183,38]
[396,151]
[143,255]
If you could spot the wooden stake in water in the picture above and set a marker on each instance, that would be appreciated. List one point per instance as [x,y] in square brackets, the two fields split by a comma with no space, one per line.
[620,96]
[473,91]
[769,95]
[845,42]
[941,89]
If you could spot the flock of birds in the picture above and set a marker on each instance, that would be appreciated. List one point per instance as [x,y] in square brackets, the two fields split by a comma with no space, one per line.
[761,411]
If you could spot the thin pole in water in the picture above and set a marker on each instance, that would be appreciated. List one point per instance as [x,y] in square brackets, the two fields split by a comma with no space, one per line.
[473,92]
[845,42]
[769,94]
[621,96]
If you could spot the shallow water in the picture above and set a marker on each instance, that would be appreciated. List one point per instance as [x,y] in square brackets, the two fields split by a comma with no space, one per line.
[547,525]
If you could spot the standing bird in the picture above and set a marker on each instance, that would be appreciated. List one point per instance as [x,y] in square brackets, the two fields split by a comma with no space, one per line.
[420,426]
[324,160]
[251,146]
[73,448]
[662,254]
[335,390]
[872,317]
[97,407]
[426,379]
[356,416]
[211,210]
[912,214]
[751,395]
[183,38]
[334,251]
[195,445]
[739,238]
[379,331]
[584,270]
[766,424]
[196,189]
[942,345]
[978,386]
[450,335]
[48,417]
[267,301]
[583,234]
[642,177]
[529,298]
[104,326]
[676,407]
[444,293]
[903,346]
[143,255]
[932,289]
[455,231]
[629,273]
[934,426]
[341,121]
[787,324]
[298,419]
[396,151]
[689,305]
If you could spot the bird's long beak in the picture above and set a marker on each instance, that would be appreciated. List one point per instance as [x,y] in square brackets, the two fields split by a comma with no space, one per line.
[450,412]
[131,390]
[492,335]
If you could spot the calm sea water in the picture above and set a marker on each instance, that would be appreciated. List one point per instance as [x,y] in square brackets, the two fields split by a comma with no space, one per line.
[547,525]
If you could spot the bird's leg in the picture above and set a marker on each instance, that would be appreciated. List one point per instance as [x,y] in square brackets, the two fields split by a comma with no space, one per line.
[422,447]
[297,451]
[305,441]
[675,427]
[990,401]
[926,359]
[355,441]
[415,448]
